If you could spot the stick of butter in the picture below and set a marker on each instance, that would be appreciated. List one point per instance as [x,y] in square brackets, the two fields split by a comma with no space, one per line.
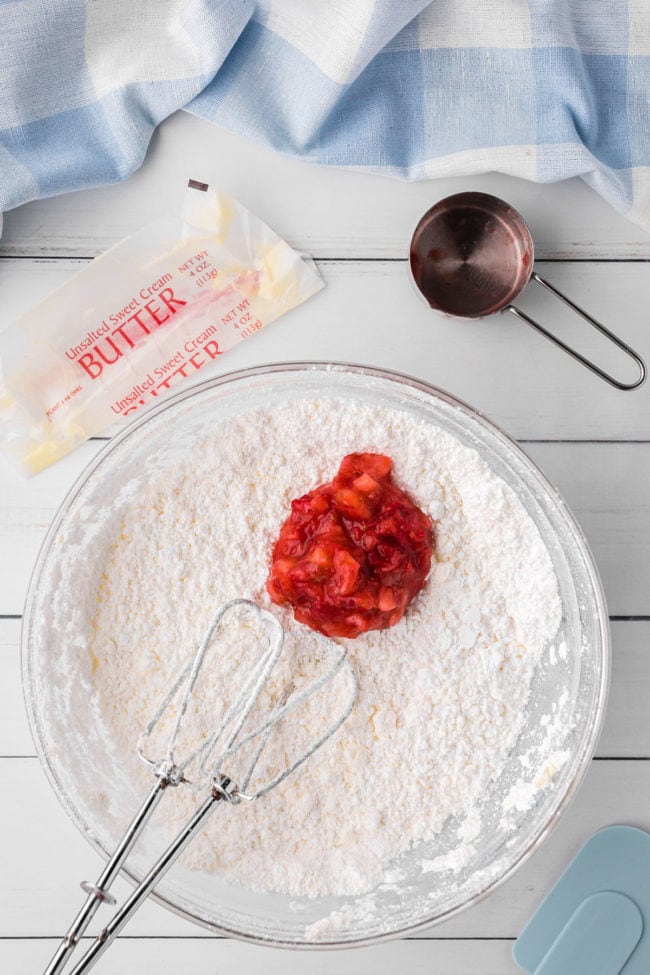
[150,312]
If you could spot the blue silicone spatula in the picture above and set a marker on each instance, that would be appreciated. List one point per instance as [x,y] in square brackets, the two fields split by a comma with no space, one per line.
[596,920]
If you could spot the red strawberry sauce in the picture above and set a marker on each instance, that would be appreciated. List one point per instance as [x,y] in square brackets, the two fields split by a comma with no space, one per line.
[353,553]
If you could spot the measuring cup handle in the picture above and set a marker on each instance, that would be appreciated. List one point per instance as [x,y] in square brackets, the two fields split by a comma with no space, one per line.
[573,352]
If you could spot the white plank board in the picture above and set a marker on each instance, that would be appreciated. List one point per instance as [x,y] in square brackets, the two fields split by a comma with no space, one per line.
[47,857]
[15,737]
[627,725]
[369,313]
[210,957]
[26,511]
[604,484]
[327,212]
[626,733]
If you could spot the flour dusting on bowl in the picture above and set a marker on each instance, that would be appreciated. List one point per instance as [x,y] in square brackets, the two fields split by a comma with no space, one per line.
[465,707]
[442,694]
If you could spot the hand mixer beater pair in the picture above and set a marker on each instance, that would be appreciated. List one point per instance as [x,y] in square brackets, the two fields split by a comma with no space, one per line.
[239,734]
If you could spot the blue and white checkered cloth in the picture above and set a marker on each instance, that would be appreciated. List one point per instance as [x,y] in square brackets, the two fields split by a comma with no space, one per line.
[542,89]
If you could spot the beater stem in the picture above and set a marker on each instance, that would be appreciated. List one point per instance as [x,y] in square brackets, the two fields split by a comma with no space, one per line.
[98,893]
[219,791]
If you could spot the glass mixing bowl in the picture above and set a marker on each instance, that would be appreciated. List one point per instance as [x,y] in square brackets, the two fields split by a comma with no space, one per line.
[571,684]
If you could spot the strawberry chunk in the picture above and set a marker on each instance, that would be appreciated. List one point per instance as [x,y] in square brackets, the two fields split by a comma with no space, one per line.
[346,572]
[377,466]
[386,599]
[365,484]
[352,504]
[354,552]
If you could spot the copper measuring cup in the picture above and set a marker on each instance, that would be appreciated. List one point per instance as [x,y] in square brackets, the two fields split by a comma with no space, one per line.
[472,255]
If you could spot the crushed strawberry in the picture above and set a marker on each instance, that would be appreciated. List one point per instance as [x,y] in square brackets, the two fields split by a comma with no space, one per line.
[354,552]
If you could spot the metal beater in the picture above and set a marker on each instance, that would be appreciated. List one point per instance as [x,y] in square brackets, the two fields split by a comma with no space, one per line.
[209,759]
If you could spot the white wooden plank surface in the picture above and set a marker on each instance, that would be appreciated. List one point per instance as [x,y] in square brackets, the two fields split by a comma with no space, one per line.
[370,313]
[626,733]
[604,484]
[329,213]
[192,957]
[367,313]
[47,857]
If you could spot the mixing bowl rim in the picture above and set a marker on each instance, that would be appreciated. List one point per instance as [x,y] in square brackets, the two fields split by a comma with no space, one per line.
[429,389]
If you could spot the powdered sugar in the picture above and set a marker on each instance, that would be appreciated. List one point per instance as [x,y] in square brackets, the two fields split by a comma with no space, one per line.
[442,695]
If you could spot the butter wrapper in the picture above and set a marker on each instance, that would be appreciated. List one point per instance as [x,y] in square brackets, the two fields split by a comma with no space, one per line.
[150,312]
